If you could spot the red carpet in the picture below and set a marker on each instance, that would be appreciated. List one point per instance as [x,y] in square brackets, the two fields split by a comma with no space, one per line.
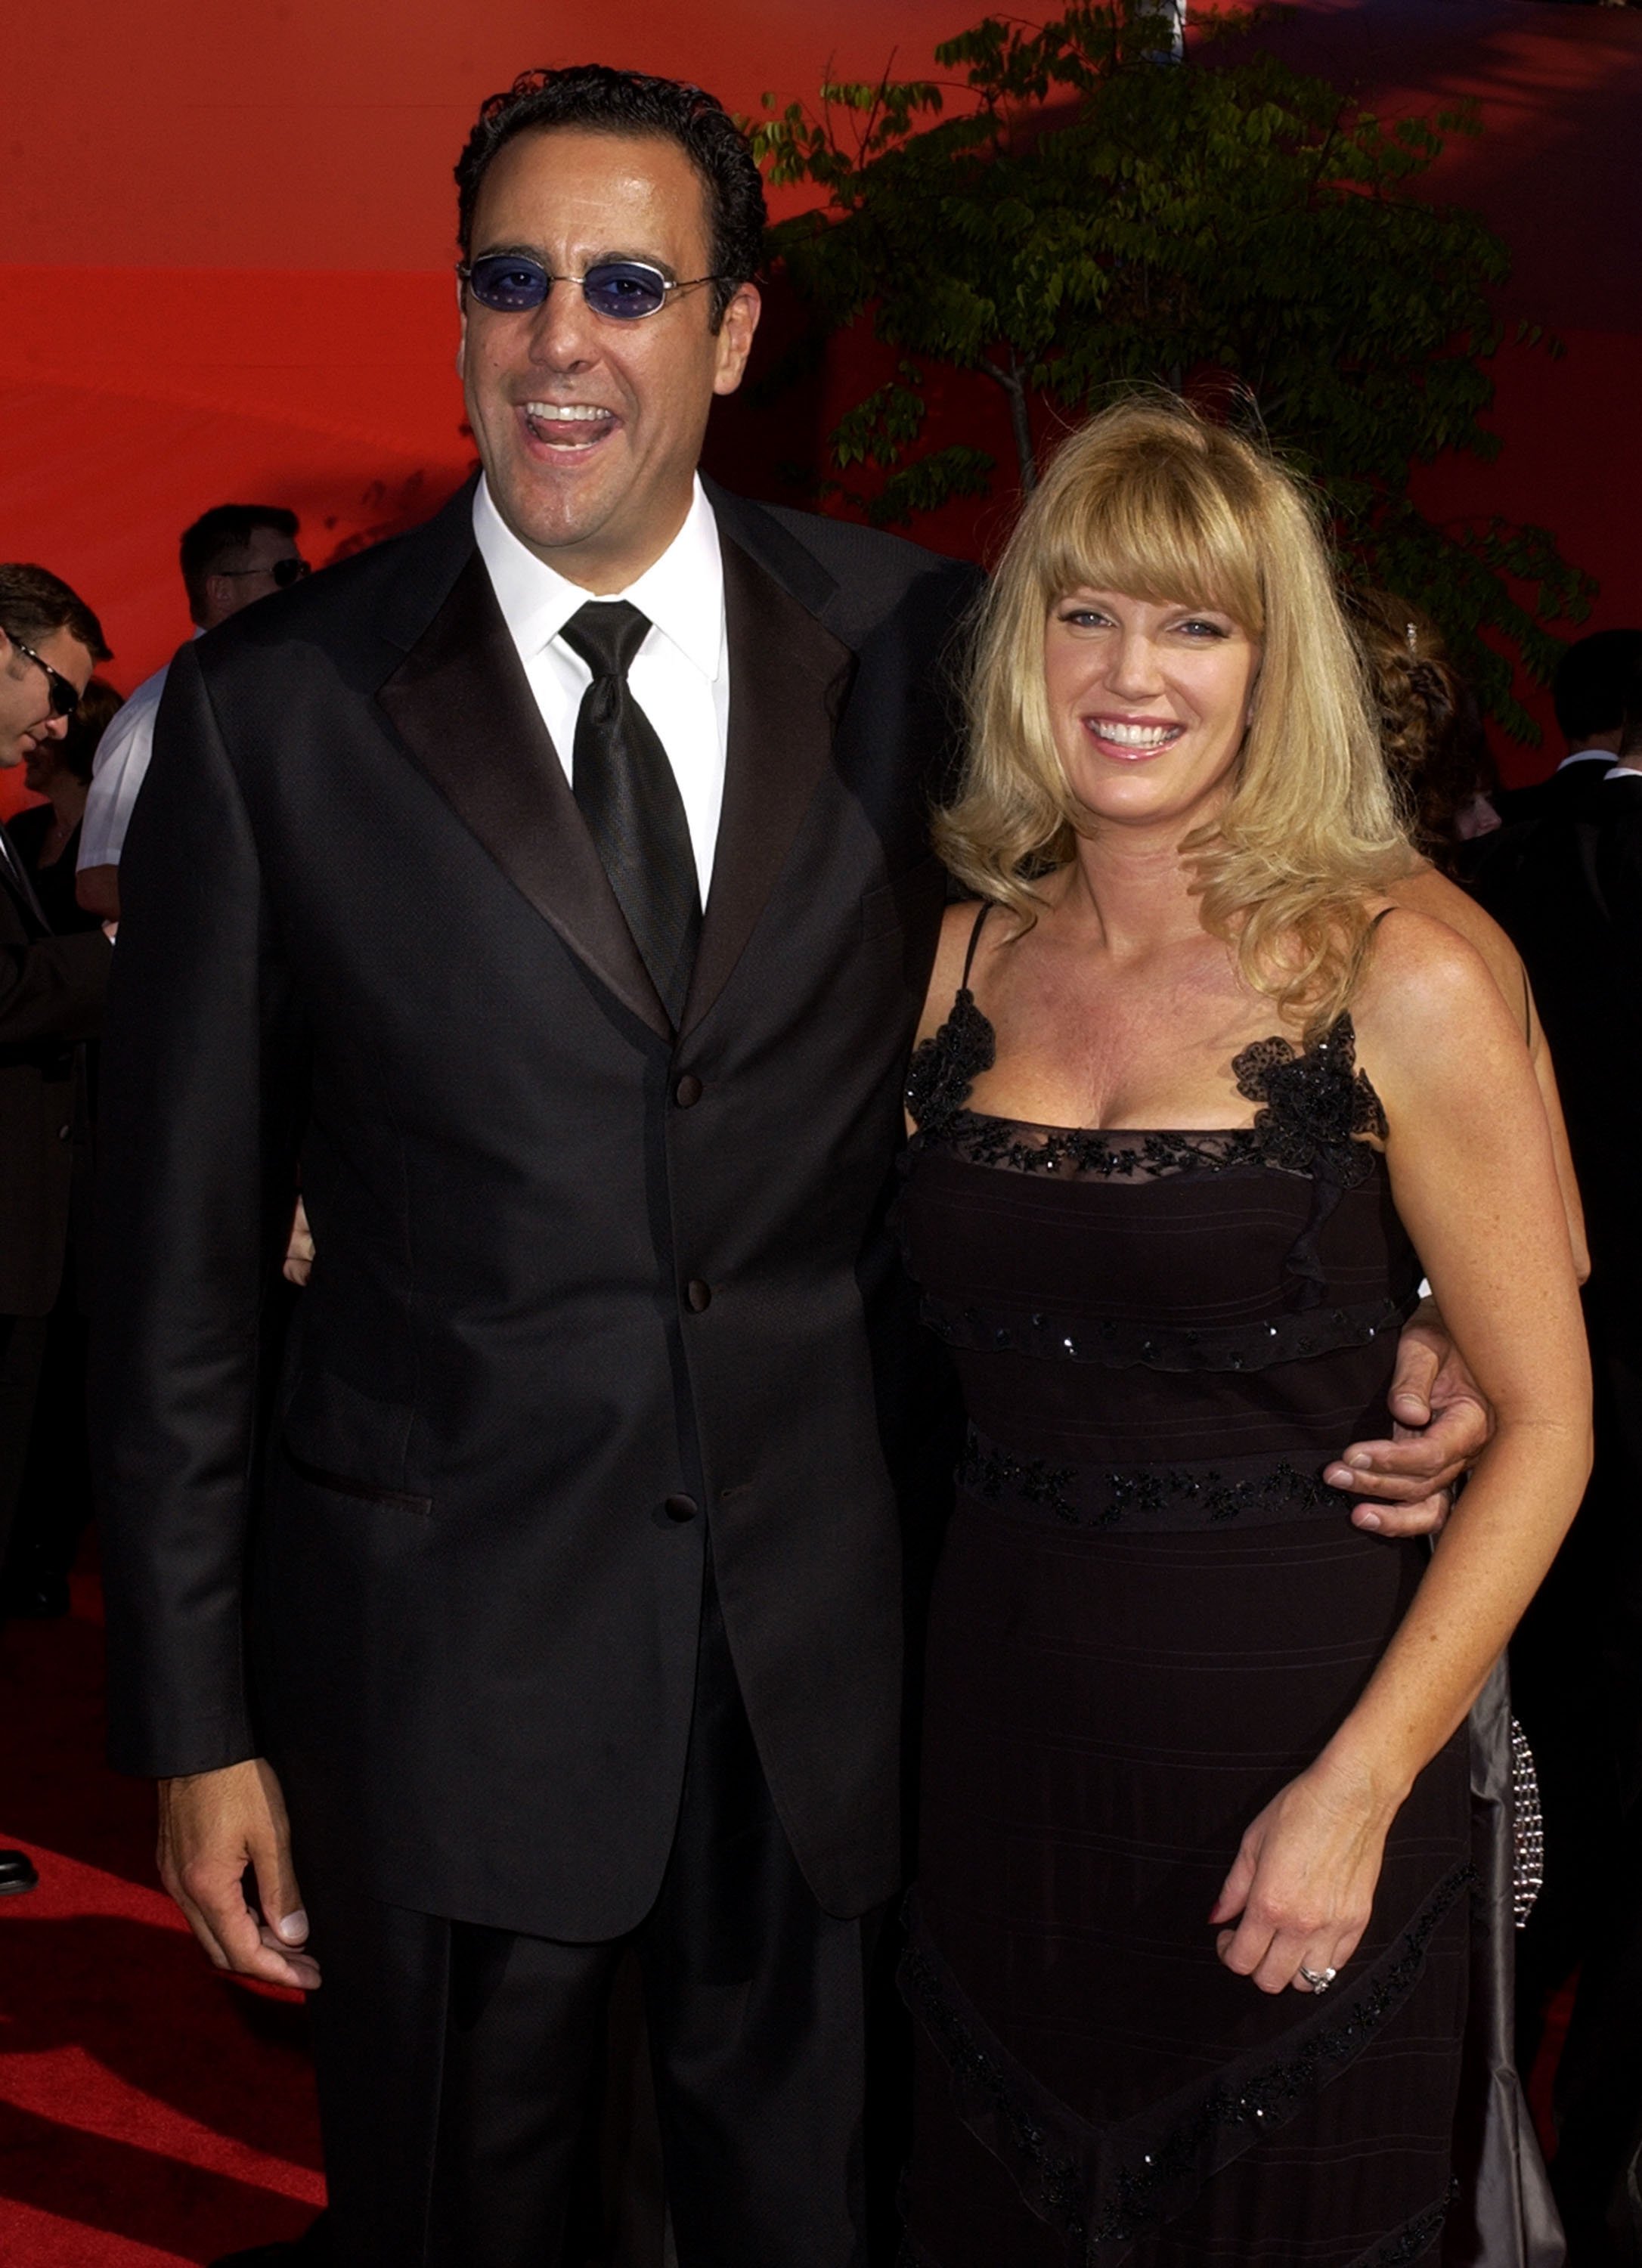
[150,2112]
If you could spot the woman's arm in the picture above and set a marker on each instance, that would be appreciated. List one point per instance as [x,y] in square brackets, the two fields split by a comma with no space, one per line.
[1442,1420]
[1474,1181]
[1428,892]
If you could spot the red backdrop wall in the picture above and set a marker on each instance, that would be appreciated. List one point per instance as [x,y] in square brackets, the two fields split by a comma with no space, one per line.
[231,231]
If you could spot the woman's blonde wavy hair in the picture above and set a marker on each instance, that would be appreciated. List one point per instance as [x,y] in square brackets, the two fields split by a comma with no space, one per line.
[1152,500]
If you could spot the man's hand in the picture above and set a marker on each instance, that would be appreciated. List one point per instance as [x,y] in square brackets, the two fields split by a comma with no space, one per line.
[1441,1424]
[212,1826]
[299,1249]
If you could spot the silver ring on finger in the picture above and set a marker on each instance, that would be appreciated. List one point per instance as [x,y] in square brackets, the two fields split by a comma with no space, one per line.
[1319,1979]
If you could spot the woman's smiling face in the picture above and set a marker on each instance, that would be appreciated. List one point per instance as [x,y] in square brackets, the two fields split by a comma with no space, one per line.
[1149,704]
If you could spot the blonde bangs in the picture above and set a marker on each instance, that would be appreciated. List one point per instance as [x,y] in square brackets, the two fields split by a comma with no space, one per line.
[1151,501]
[1139,523]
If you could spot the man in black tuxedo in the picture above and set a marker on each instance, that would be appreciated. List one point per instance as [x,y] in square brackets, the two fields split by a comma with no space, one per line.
[51,999]
[1589,693]
[552,886]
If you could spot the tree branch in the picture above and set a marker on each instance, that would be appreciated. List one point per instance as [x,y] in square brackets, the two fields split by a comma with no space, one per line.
[1019,421]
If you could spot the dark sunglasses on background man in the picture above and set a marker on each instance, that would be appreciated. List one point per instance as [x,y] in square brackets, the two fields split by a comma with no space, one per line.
[63,694]
[285,571]
[512,282]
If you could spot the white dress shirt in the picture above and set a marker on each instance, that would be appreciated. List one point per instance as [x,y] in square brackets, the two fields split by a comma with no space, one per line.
[118,771]
[1615,770]
[680,676]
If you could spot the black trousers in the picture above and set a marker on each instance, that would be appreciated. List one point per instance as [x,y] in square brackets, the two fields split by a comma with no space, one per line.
[22,1354]
[458,2066]
[53,1498]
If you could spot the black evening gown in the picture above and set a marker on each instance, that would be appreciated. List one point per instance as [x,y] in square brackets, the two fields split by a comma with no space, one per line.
[1149,1614]
[54,885]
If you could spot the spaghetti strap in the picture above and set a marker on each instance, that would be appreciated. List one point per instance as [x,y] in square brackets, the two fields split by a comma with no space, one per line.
[975,939]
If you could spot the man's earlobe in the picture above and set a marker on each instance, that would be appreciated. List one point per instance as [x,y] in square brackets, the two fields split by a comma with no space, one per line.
[735,337]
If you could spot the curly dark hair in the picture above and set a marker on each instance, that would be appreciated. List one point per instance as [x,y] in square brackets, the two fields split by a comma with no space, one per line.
[1431,724]
[600,100]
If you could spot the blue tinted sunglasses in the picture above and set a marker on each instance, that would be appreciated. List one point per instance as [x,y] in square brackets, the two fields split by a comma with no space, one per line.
[512,282]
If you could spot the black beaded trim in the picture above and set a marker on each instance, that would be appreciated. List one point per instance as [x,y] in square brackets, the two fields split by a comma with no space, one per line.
[1413,2240]
[944,1067]
[1291,1337]
[1104,2187]
[1258,1491]
[1318,1108]
[1086,1153]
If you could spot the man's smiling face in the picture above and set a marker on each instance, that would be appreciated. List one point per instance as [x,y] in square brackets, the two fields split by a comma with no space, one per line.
[590,427]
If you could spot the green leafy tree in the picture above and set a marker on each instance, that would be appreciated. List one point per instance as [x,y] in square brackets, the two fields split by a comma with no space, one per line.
[1091,216]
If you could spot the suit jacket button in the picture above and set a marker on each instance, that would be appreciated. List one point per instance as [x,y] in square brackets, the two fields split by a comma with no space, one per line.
[681,1508]
[687,1093]
[698,1294]
[63,1133]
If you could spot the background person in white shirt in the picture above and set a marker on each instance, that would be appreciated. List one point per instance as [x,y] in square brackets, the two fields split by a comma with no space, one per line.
[231,556]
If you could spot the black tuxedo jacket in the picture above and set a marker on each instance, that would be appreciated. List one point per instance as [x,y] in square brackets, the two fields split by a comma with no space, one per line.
[1573,791]
[588,1292]
[51,998]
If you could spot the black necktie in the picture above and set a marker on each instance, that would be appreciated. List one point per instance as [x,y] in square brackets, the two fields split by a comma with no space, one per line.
[627,792]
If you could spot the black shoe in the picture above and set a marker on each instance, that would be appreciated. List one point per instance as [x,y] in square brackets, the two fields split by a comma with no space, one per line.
[17,1874]
[309,2250]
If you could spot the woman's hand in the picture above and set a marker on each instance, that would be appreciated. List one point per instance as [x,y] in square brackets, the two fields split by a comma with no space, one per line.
[1303,1881]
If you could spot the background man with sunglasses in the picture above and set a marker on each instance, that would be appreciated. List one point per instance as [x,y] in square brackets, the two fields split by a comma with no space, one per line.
[231,556]
[553,884]
[51,999]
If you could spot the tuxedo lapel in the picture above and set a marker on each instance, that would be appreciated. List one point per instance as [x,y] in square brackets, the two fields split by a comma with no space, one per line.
[16,873]
[462,704]
[788,679]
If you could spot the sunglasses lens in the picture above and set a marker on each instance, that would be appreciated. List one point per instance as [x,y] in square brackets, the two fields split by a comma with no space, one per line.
[508,284]
[287,572]
[64,699]
[625,289]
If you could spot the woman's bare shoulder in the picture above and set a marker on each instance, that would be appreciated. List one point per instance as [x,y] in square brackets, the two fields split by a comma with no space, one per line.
[1427,997]
[1427,892]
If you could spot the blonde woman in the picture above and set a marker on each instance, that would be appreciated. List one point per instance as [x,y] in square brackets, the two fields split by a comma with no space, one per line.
[1198,1103]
